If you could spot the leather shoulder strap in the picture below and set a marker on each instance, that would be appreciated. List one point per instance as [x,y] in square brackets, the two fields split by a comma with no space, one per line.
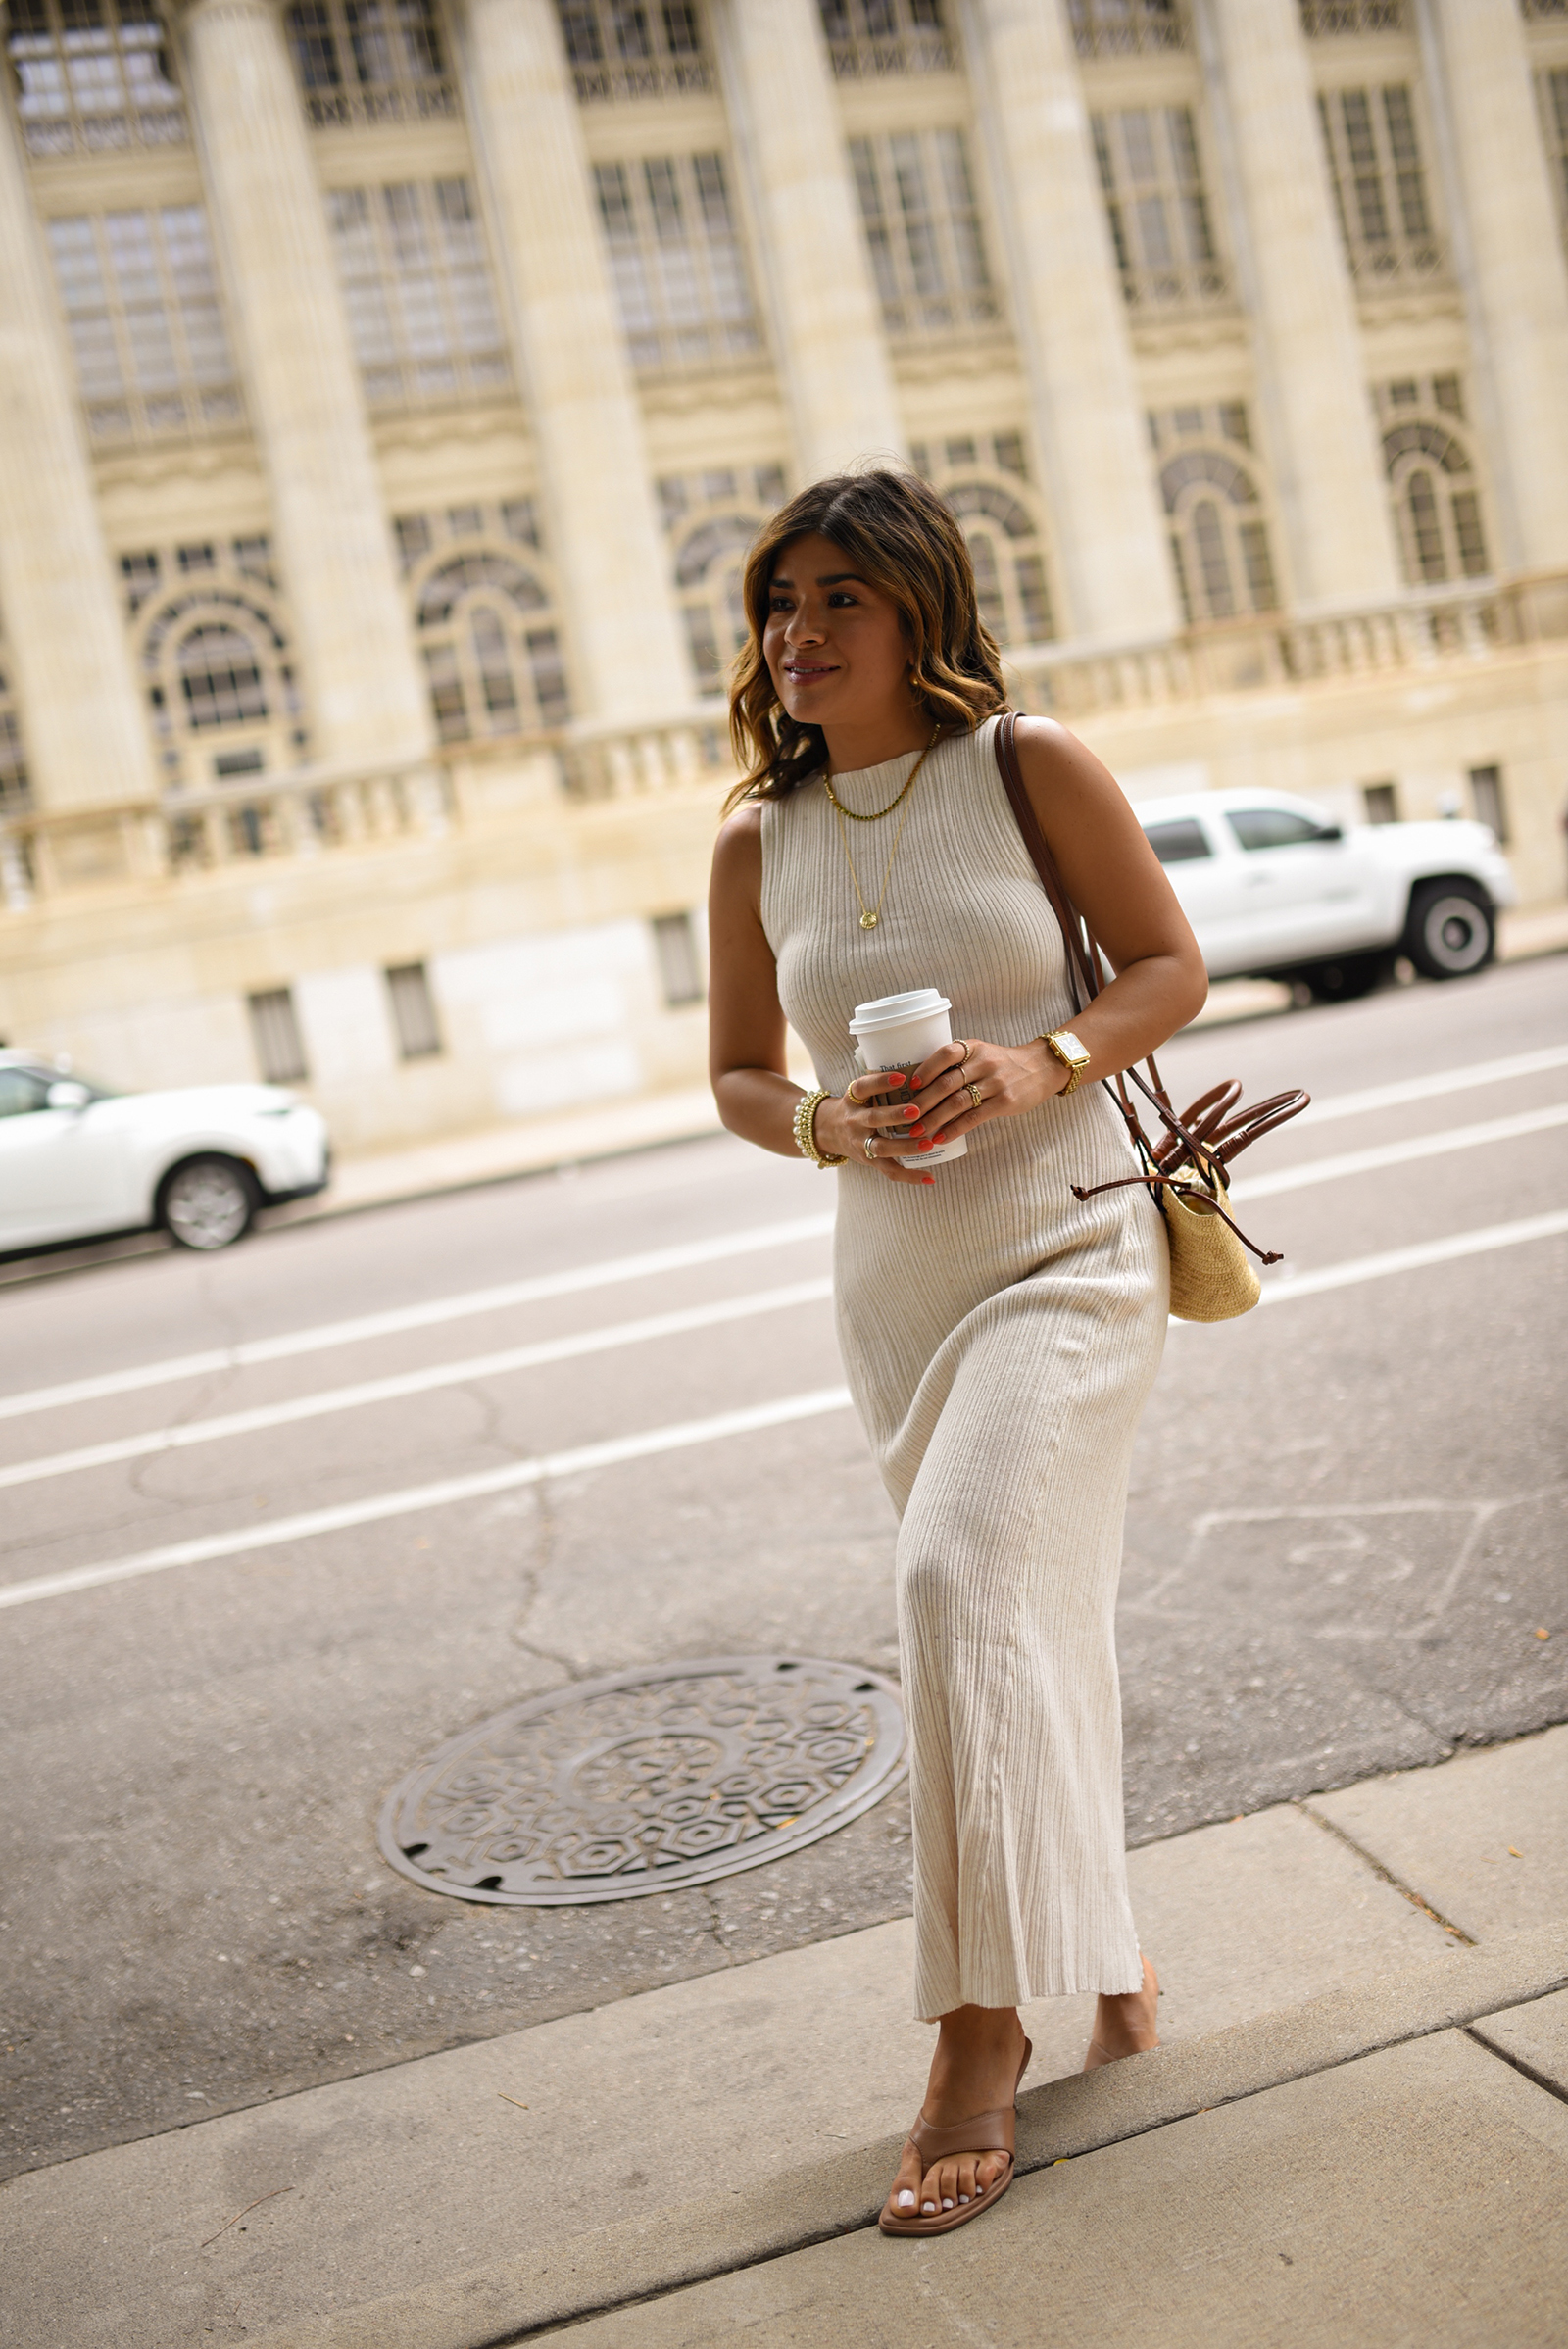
[1082,977]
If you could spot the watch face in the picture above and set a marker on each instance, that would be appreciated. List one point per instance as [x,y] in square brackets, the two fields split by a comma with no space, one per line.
[1073,1049]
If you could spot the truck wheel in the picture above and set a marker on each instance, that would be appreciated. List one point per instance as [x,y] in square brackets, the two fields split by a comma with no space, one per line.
[208,1203]
[1343,981]
[1451,931]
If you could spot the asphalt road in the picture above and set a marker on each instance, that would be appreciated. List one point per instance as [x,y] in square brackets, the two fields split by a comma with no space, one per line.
[1344,1538]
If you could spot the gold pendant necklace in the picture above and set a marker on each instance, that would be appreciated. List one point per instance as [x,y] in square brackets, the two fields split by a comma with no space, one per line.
[870,915]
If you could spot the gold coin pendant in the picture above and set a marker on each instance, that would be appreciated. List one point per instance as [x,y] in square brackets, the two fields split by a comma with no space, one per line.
[868,921]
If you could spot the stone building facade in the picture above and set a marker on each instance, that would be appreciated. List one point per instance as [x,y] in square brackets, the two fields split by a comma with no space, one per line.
[389,390]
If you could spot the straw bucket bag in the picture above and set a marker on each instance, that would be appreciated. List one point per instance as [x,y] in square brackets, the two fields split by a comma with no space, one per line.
[1186,1170]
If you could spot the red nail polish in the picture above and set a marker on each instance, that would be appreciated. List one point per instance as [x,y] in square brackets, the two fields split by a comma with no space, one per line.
[926,1145]
[897,1077]
[931,1179]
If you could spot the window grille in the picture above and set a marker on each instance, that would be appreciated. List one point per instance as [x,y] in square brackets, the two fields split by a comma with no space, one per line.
[1381,802]
[866,37]
[142,312]
[626,49]
[1380,195]
[92,75]
[680,961]
[1151,175]
[16,790]
[275,1036]
[1126,28]
[1488,802]
[980,478]
[416,283]
[414,1018]
[1436,497]
[712,518]
[484,618]
[208,626]
[1321,19]
[1552,91]
[370,61]
[678,261]
[1219,542]
[922,224]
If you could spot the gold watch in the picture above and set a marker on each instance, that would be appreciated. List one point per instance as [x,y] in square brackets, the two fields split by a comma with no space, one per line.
[1073,1055]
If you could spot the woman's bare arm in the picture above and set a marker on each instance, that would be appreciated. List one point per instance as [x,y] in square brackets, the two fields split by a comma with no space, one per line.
[756,1094]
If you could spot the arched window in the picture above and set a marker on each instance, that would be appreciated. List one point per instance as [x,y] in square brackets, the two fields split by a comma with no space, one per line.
[220,676]
[216,656]
[491,650]
[1010,564]
[1218,536]
[710,567]
[1436,503]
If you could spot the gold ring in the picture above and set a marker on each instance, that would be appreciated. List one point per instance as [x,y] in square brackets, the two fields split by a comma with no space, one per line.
[870,1148]
[973,1091]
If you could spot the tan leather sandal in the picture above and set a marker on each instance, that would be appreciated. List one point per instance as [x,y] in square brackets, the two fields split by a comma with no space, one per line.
[984,2132]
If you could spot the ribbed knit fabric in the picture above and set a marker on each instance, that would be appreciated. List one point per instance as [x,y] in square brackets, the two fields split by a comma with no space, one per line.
[999,1338]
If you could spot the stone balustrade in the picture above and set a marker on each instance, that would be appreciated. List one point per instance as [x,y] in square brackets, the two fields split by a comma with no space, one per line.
[1276,652]
[314,811]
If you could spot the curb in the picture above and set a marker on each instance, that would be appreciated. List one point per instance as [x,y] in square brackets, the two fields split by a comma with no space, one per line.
[642,2259]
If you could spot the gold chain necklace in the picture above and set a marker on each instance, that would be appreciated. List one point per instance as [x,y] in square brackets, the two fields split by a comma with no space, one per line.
[870,915]
[878,813]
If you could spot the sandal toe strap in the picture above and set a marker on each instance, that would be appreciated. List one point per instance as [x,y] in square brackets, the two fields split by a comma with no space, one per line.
[985,2132]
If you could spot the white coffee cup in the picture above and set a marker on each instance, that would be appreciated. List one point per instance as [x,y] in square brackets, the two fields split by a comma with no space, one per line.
[900,1031]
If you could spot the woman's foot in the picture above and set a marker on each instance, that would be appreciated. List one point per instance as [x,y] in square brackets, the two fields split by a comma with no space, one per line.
[1125,2025]
[974,2069]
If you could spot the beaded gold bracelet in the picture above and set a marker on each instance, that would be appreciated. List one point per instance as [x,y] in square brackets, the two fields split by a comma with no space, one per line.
[806,1110]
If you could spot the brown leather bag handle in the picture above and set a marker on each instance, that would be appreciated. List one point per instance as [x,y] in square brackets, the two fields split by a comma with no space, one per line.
[1207,1137]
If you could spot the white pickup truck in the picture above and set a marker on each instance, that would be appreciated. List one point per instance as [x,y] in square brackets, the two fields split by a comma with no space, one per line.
[1275,888]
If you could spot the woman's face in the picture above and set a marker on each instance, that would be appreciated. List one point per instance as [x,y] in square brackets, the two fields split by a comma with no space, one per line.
[834,644]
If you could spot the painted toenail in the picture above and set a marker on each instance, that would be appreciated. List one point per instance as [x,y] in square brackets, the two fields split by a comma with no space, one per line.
[947,2202]
[928,2206]
[964,2197]
[906,2200]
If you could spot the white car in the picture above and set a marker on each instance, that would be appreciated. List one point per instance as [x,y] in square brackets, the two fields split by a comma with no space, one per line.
[77,1160]
[1275,888]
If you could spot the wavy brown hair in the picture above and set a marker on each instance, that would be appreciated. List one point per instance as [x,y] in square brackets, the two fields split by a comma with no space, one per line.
[905,540]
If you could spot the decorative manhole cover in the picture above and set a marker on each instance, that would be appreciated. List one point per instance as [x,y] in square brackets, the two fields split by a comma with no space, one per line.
[646,1779]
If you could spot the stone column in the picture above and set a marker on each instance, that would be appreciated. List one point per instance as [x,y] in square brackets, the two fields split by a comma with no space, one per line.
[629,656]
[365,698]
[83,719]
[1511,264]
[824,312]
[1109,534]
[1317,425]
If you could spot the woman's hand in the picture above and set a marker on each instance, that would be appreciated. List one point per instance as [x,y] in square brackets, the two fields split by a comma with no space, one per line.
[1009,1080]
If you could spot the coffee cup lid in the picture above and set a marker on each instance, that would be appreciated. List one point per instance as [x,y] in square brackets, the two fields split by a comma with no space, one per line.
[892,1010]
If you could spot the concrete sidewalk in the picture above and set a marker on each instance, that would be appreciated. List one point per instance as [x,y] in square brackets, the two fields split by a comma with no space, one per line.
[1354,2132]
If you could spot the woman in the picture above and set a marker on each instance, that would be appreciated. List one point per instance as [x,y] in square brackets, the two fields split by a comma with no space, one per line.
[1001,1336]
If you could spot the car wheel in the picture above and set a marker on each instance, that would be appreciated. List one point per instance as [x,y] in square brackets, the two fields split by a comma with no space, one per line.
[1451,931]
[1343,981]
[208,1203]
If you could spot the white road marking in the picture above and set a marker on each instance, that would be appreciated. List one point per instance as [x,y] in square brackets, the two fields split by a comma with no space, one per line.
[1411,1259]
[607,1274]
[380,1506]
[1428,1087]
[432,1497]
[1400,1154]
[419,1382]
[320,1404]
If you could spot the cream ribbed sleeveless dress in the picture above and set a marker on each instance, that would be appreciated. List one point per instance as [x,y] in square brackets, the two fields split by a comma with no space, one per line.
[1000,1337]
